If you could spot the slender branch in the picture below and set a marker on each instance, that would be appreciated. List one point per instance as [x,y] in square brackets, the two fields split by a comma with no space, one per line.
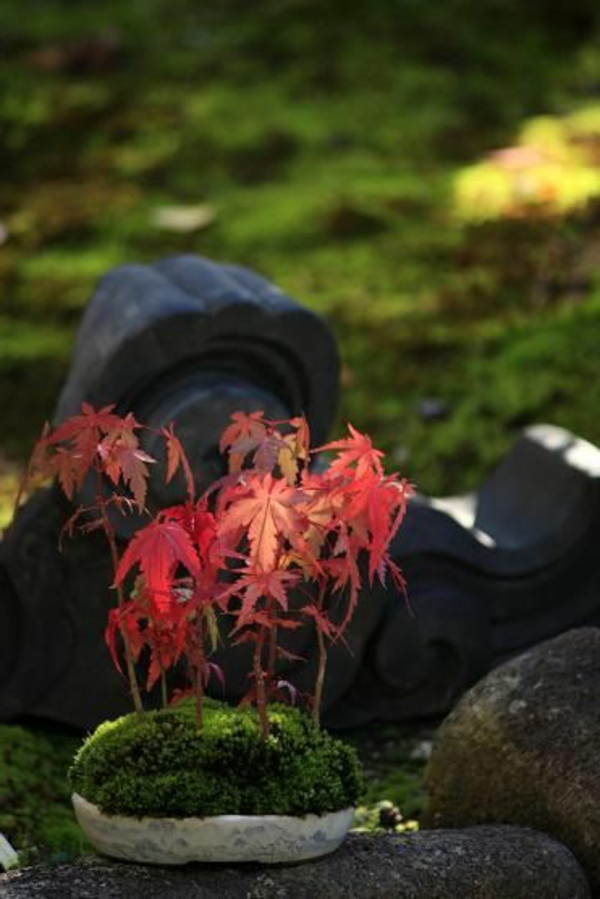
[199,696]
[163,687]
[320,678]
[259,680]
[199,672]
[322,664]
[112,543]
[272,657]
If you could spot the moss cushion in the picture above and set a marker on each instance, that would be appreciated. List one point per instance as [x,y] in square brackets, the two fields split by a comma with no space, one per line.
[162,764]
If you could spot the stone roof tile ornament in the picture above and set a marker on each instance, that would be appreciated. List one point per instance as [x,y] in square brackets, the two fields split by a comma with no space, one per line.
[192,341]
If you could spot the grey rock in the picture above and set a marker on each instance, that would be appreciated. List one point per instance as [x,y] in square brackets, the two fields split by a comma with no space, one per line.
[521,747]
[479,863]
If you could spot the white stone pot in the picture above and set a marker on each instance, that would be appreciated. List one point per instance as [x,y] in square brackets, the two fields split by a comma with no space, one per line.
[224,838]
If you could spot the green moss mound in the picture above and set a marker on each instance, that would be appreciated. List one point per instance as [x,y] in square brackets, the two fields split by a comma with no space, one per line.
[162,764]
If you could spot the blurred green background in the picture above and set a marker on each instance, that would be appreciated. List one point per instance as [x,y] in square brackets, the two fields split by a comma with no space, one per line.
[348,152]
[426,175]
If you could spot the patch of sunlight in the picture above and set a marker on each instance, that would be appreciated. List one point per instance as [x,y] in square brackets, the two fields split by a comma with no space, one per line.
[9,482]
[71,264]
[552,170]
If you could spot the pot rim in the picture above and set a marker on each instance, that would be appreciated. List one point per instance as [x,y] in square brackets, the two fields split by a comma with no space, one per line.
[77,798]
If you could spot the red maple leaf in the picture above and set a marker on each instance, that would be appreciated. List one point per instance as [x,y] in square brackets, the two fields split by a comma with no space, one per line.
[176,457]
[357,449]
[376,509]
[158,549]
[342,574]
[253,586]
[125,620]
[322,622]
[122,458]
[245,433]
[302,437]
[254,435]
[83,434]
[267,508]
[68,470]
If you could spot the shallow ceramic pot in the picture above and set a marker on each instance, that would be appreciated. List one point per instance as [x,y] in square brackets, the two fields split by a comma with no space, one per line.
[273,839]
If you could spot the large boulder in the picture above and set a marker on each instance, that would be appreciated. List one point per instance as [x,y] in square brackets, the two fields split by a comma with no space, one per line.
[480,863]
[522,747]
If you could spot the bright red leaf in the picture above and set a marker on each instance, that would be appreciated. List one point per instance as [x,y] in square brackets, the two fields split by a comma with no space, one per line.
[157,549]
[356,450]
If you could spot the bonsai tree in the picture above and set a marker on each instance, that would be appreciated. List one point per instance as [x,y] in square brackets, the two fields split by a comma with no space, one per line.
[273,524]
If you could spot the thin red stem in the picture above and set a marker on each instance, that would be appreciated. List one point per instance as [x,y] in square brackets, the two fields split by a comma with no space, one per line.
[322,665]
[112,543]
[199,673]
[259,680]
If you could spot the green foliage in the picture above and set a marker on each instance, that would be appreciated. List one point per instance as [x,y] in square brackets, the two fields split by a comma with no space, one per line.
[394,759]
[327,147]
[35,812]
[162,764]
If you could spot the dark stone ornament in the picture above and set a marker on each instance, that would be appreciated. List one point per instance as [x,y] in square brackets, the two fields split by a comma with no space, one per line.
[489,574]
[191,341]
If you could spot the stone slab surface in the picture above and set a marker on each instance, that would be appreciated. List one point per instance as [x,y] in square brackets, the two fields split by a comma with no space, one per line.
[475,863]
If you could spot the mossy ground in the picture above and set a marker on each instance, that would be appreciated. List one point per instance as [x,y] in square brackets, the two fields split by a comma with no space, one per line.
[35,808]
[325,143]
[323,148]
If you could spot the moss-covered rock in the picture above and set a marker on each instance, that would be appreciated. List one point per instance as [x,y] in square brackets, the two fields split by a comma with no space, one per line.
[521,748]
[161,763]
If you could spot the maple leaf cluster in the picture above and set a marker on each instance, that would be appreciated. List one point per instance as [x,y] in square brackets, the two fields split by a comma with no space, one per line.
[103,443]
[274,524]
[100,448]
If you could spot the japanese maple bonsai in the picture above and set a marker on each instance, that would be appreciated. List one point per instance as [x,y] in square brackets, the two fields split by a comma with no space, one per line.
[272,525]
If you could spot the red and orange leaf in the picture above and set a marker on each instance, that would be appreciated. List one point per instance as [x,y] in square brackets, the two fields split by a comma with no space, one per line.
[253,586]
[267,452]
[68,470]
[122,458]
[82,442]
[288,460]
[356,450]
[267,509]
[245,432]
[135,473]
[177,457]
[322,621]
[302,437]
[252,435]
[375,512]
[157,549]
[101,421]
[83,434]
